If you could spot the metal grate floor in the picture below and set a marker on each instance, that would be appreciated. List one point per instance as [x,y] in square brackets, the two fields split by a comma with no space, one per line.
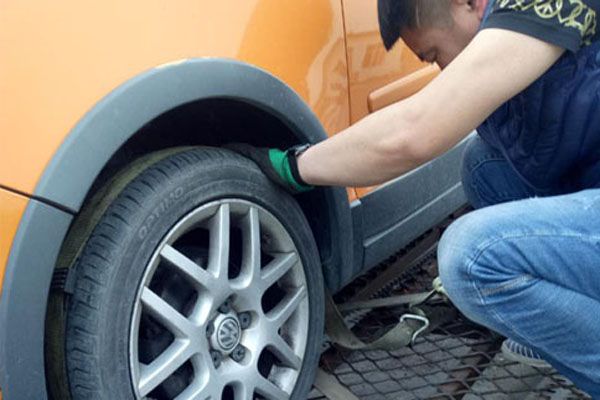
[459,360]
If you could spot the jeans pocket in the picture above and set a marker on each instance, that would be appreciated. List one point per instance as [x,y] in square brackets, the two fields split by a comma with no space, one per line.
[506,286]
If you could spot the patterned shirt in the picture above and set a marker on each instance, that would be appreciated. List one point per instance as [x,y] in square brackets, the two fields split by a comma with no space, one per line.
[570,24]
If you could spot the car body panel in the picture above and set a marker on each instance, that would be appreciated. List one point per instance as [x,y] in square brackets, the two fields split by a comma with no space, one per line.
[60,58]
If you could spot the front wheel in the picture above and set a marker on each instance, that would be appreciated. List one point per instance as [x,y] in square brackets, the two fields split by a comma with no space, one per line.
[200,281]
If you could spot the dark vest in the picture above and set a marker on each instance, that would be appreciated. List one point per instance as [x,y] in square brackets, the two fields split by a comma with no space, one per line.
[550,132]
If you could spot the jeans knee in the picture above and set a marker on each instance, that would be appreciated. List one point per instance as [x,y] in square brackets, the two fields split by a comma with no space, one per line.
[454,249]
[458,250]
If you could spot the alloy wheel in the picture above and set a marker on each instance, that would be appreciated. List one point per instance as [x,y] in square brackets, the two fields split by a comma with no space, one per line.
[222,309]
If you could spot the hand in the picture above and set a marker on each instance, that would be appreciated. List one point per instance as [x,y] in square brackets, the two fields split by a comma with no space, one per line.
[279,166]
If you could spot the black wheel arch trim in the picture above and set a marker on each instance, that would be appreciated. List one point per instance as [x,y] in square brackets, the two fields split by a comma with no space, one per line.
[116,117]
[23,303]
[76,164]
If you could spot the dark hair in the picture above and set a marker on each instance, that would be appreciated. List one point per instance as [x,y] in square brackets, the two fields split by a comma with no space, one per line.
[397,15]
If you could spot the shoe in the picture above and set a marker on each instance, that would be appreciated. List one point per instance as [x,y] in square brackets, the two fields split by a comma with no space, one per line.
[514,351]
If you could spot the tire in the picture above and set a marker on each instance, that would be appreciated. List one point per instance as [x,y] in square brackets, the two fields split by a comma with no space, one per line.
[201,279]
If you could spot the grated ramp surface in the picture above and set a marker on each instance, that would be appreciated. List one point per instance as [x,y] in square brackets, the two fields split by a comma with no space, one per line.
[459,360]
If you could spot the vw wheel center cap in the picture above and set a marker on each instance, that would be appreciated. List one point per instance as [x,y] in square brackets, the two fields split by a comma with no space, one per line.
[227,334]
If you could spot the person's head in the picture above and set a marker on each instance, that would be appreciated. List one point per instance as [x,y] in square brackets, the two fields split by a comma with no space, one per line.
[436,30]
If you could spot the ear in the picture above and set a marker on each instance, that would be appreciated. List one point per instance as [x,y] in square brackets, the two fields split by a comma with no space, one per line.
[462,6]
[473,5]
[477,6]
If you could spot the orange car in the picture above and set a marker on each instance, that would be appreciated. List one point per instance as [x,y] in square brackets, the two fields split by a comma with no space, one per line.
[138,259]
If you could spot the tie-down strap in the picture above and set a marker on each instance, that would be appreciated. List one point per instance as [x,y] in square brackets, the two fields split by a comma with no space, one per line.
[420,319]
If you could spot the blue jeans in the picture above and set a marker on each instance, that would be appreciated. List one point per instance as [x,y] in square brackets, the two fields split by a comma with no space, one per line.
[526,266]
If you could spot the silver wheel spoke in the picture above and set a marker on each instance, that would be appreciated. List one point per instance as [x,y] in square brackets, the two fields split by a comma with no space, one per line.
[251,249]
[282,311]
[186,266]
[285,353]
[218,259]
[244,392]
[278,268]
[269,390]
[163,366]
[165,314]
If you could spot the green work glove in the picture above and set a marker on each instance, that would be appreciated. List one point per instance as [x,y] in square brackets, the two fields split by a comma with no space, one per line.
[279,166]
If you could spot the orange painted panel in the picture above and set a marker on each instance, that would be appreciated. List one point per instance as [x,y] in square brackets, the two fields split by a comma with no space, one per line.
[12,207]
[59,58]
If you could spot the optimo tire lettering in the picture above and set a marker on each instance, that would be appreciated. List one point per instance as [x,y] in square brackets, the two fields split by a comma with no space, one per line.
[159,210]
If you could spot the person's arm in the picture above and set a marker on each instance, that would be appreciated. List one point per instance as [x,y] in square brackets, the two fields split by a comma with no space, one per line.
[494,67]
